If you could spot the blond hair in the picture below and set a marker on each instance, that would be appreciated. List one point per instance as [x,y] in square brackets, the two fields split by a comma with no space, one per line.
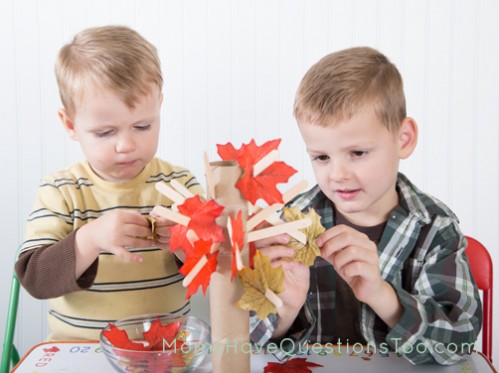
[116,58]
[345,82]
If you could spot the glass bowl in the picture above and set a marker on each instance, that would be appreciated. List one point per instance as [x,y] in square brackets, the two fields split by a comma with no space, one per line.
[172,358]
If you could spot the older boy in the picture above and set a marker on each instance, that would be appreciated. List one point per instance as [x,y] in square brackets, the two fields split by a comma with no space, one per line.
[88,241]
[392,270]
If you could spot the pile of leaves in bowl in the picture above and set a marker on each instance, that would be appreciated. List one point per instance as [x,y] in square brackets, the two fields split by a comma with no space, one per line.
[167,340]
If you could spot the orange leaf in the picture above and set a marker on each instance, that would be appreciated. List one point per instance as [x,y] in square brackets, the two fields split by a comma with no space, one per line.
[296,365]
[237,239]
[158,333]
[119,338]
[203,215]
[264,184]
[201,248]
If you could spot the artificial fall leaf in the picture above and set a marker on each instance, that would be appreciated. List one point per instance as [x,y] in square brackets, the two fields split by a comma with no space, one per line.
[178,238]
[264,184]
[165,359]
[237,239]
[228,153]
[296,365]
[203,216]
[201,248]
[159,333]
[255,283]
[119,338]
[305,253]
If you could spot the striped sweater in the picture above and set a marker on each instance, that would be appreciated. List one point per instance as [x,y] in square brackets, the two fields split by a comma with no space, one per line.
[111,288]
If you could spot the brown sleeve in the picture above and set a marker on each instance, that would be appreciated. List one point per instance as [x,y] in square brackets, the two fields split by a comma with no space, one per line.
[49,271]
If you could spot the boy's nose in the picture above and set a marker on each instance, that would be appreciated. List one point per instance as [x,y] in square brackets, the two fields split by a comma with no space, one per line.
[125,144]
[339,171]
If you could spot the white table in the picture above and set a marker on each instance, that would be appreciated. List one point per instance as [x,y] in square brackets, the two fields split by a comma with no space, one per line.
[87,356]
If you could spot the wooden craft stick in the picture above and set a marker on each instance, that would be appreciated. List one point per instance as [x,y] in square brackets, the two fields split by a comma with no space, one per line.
[194,271]
[298,235]
[278,229]
[239,260]
[191,236]
[210,182]
[166,190]
[181,189]
[229,229]
[265,162]
[294,191]
[262,215]
[273,298]
[171,215]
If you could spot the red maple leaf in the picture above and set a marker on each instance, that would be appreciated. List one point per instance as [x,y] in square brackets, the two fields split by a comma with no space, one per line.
[296,365]
[201,248]
[203,216]
[119,338]
[178,238]
[158,334]
[264,184]
[237,239]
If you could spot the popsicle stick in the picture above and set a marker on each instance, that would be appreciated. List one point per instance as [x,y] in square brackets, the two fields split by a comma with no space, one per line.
[229,229]
[298,235]
[191,236]
[265,162]
[194,271]
[278,229]
[273,298]
[294,191]
[239,260]
[171,215]
[210,182]
[169,192]
[262,215]
[181,189]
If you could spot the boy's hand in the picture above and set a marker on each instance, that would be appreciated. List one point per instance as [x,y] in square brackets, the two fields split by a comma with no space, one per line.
[162,232]
[296,280]
[114,232]
[355,257]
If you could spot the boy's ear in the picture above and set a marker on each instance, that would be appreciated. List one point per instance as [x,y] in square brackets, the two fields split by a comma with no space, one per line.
[67,123]
[407,137]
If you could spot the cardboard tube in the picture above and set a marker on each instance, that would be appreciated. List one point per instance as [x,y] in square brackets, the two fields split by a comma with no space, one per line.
[229,324]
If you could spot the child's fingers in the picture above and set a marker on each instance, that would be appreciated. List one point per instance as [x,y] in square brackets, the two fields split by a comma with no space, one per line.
[354,254]
[334,240]
[127,255]
[281,239]
[277,252]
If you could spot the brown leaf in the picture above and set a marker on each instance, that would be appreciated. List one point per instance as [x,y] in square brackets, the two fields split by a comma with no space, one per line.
[305,253]
[256,281]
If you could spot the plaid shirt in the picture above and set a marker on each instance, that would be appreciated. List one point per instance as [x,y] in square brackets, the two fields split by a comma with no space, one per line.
[421,254]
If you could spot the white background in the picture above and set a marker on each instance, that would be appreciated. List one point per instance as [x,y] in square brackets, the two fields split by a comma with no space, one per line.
[231,70]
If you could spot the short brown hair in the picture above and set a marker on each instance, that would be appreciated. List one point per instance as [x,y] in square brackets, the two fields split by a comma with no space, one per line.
[109,57]
[344,82]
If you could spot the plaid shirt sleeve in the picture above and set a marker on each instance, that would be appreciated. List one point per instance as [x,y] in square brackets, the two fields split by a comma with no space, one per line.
[442,313]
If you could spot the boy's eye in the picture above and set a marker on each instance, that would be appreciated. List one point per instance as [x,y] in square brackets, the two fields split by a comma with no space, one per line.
[321,158]
[103,133]
[358,153]
[145,127]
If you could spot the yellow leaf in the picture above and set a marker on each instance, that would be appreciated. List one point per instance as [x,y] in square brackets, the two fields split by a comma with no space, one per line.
[305,253]
[256,281]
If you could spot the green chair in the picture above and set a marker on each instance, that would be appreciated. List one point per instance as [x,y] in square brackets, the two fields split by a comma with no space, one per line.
[10,356]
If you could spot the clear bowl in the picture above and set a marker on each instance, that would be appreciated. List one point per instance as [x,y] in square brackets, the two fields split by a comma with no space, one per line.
[171,359]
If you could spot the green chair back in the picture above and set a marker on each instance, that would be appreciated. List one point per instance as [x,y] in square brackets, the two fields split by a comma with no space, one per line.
[10,356]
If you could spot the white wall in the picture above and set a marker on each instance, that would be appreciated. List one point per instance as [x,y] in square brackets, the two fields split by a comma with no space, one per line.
[231,70]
